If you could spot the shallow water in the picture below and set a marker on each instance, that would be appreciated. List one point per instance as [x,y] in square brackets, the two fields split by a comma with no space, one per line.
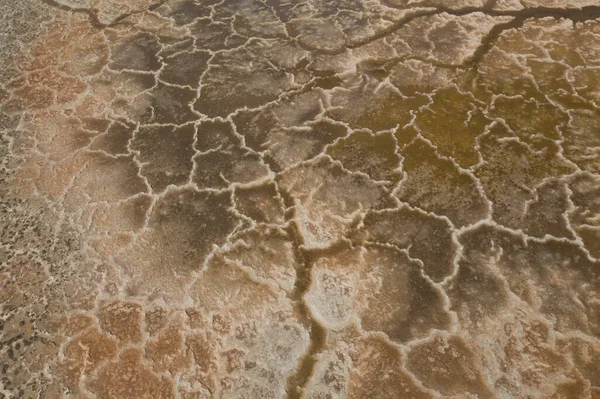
[320,199]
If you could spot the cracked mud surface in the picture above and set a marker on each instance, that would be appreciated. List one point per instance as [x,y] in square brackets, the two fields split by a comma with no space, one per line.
[313,199]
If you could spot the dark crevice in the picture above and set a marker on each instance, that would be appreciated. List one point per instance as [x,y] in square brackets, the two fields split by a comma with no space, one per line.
[575,14]
[587,13]
[489,40]
[318,335]
[92,13]
[487,43]
[89,12]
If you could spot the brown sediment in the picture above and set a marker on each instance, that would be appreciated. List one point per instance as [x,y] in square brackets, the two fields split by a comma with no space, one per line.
[351,200]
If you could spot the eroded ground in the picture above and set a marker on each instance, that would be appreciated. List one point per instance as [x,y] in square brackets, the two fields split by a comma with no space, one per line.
[318,199]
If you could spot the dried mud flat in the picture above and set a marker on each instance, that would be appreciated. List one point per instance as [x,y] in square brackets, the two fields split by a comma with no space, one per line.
[300,199]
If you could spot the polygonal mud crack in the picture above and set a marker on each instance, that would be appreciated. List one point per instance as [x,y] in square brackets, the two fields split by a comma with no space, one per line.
[247,198]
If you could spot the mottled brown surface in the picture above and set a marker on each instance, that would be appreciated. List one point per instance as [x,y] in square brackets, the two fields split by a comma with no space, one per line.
[319,199]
